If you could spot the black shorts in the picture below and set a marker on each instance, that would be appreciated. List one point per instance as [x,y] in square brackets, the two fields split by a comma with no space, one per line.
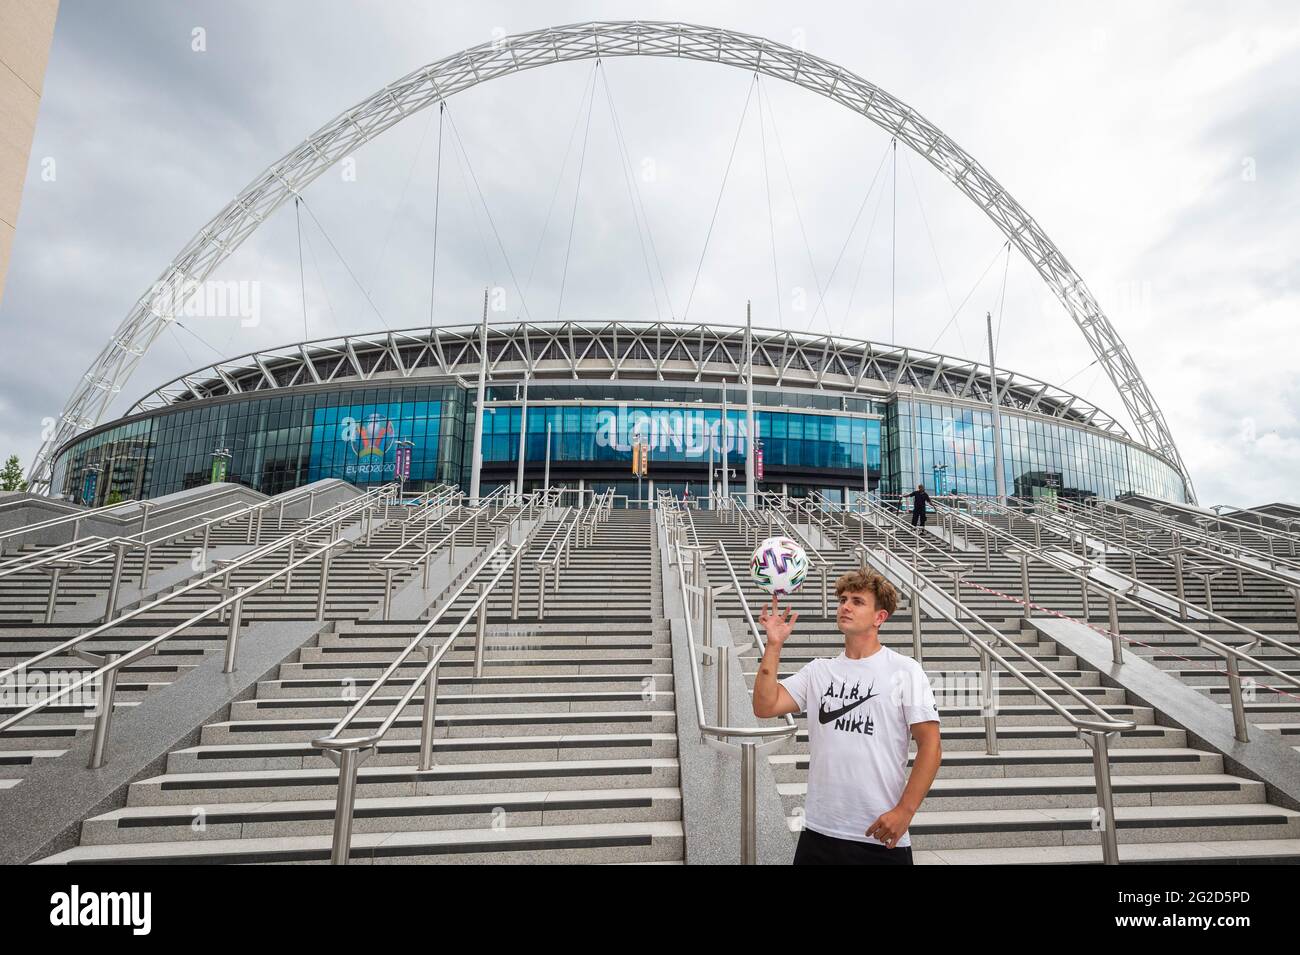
[817,849]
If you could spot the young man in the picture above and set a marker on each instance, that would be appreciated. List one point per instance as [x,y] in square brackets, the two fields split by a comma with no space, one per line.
[860,708]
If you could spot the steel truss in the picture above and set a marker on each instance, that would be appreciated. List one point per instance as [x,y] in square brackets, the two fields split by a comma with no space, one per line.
[627,351]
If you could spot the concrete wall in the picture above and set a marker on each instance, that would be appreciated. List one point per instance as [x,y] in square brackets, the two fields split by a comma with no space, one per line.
[26,29]
[21,510]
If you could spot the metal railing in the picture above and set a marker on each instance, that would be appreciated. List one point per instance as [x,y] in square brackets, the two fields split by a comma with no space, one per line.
[91,551]
[1144,596]
[476,517]
[229,607]
[577,527]
[348,752]
[699,602]
[1094,732]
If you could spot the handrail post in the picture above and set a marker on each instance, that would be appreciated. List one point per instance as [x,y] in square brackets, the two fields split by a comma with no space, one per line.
[51,601]
[480,630]
[232,633]
[144,566]
[1178,580]
[104,719]
[514,587]
[1024,583]
[724,678]
[987,707]
[541,591]
[748,803]
[429,712]
[324,584]
[1116,647]
[114,585]
[704,603]
[1105,796]
[288,567]
[347,797]
[1238,705]
[696,576]
[388,592]
[826,597]
[915,601]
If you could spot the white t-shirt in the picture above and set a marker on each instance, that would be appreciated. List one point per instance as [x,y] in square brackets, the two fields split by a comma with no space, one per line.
[859,718]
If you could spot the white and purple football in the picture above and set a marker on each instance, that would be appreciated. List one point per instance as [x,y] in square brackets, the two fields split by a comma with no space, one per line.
[778,566]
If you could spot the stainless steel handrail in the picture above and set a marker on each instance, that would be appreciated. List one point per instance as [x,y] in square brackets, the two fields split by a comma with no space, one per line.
[147,537]
[348,752]
[106,675]
[750,737]
[206,581]
[1130,595]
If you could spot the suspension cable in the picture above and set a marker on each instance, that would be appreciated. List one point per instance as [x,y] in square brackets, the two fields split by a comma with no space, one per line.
[934,249]
[302,275]
[564,164]
[1002,299]
[460,143]
[767,190]
[893,240]
[794,199]
[977,284]
[307,206]
[320,278]
[718,204]
[866,246]
[848,238]
[377,270]
[577,193]
[633,195]
[437,204]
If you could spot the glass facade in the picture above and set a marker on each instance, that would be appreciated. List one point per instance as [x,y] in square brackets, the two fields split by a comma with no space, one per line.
[811,440]
[950,448]
[681,435]
[276,443]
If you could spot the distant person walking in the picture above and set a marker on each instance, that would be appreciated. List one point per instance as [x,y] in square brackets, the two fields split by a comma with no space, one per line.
[919,500]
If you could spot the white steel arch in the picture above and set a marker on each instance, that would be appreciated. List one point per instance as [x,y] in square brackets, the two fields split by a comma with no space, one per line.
[164,300]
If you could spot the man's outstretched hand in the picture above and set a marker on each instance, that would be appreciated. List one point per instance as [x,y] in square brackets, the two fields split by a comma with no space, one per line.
[777,621]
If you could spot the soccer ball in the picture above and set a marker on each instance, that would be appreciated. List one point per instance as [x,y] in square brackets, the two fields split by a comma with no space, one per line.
[778,566]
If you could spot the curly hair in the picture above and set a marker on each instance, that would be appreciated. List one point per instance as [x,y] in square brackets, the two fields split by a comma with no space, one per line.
[860,581]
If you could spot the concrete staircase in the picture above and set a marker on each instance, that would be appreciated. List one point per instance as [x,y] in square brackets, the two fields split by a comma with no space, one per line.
[1031,803]
[356,589]
[564,751]
[1265,606]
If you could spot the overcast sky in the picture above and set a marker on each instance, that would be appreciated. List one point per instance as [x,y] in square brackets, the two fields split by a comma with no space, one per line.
[1157,144]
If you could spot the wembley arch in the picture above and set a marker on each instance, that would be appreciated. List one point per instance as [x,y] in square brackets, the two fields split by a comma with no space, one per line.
[283,179]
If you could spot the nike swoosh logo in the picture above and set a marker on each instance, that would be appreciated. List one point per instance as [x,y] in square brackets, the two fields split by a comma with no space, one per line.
[826,717]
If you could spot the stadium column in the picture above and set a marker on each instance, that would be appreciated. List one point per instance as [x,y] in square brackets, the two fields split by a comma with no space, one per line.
[523,431]
[1000,481]
[477,467]
[750,443]
[726,480]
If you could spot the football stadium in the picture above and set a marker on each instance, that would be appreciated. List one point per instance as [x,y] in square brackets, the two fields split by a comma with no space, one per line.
[497,590]
[831,416]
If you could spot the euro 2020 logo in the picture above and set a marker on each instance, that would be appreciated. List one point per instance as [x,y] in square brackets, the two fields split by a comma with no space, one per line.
[369,441]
